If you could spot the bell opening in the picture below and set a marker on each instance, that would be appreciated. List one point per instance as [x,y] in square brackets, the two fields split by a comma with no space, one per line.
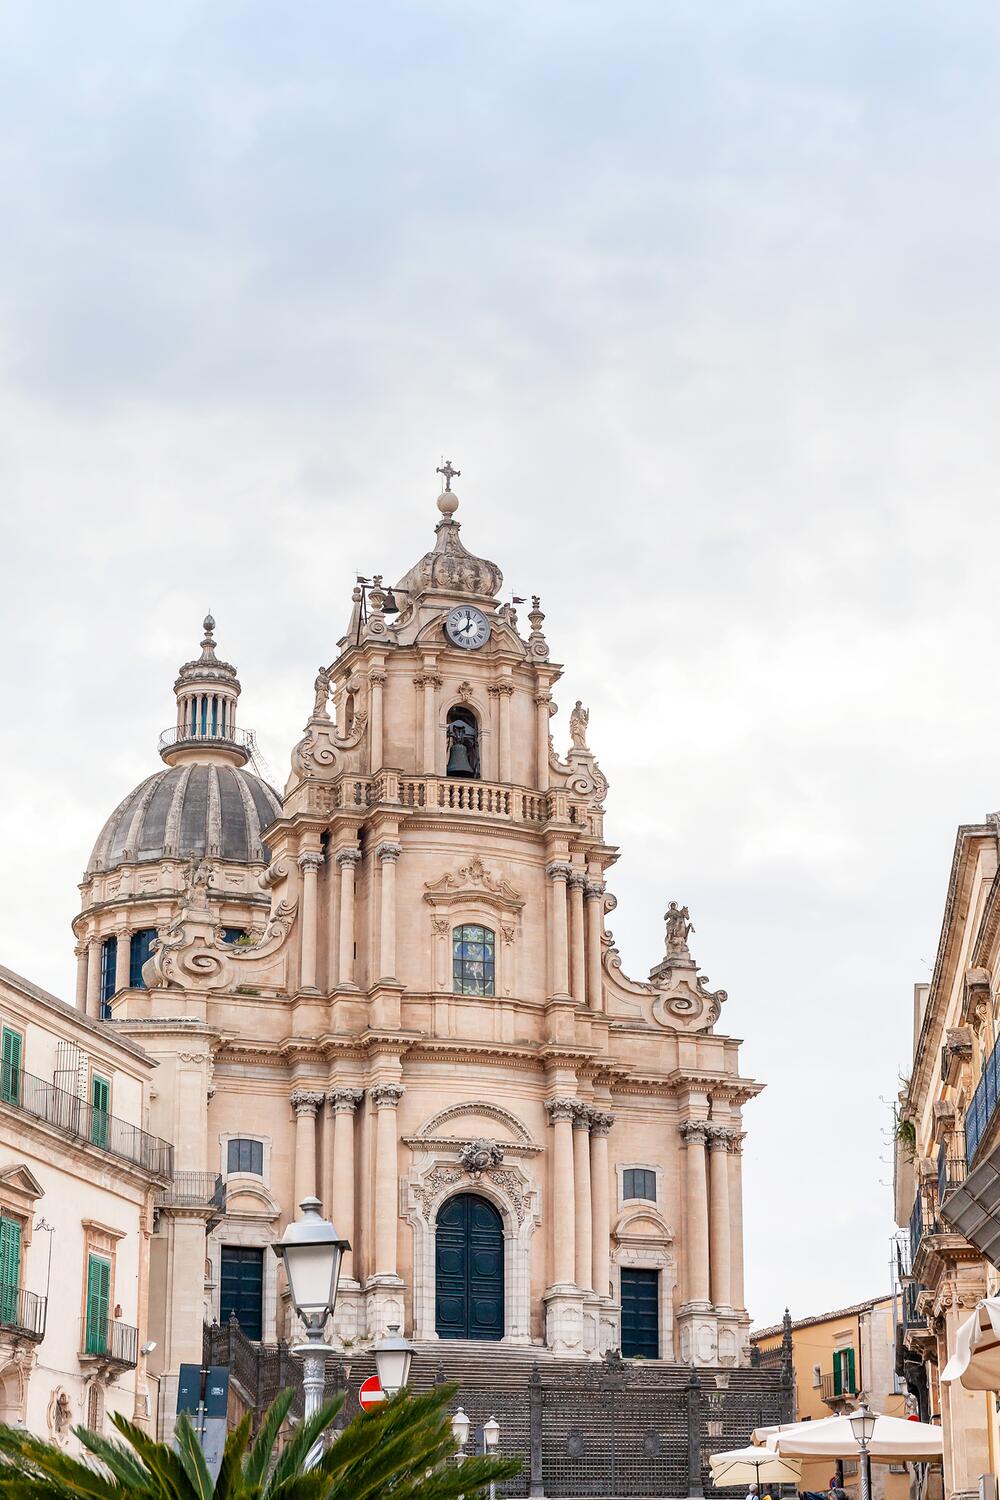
[463,742]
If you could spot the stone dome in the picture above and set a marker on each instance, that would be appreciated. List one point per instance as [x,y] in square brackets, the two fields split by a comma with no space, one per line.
[188,810]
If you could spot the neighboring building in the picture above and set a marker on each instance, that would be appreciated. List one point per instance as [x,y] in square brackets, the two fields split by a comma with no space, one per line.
[839,1359]
[947,1185]
[406,1002]
[78,1178]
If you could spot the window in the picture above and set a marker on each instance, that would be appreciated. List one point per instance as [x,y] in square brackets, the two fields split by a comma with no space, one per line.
[639,1182]
[10,1269]
[10,1066]
[100,1109]
[95,1333]
[843,1373]
[244,1155]
[473,960]
[463,742]
[233,934]
[109,966]
[139,950]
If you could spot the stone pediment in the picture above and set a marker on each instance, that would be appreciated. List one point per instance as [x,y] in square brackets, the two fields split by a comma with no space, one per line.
[20,1179]
[460,1122]
[473,882]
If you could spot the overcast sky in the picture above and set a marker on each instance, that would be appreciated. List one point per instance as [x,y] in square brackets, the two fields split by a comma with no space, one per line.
[702,299]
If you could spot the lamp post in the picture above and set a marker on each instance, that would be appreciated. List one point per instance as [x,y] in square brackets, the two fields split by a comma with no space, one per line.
[460,1426]
[311,1252]
[392,1361]
[491,1442]
[863,1427]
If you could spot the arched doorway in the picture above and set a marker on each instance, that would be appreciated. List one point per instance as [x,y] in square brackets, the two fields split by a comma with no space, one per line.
[468,1269]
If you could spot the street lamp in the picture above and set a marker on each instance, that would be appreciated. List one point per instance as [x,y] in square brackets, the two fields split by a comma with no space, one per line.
[392,1361]
[863,1427]
[311,1252]
[460,1426]
[491,1442]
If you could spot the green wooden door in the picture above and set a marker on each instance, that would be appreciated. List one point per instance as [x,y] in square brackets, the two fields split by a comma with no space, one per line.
[10,1066]
[100,1103]
[10,1269]
[98,1305]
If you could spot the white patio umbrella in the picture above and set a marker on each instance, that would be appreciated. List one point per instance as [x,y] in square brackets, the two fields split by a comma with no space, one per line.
[894,1440]
[976,1360]
[753,1466]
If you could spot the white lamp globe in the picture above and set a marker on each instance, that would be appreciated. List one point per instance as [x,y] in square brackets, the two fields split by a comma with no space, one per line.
[392,1360]
[311,1251]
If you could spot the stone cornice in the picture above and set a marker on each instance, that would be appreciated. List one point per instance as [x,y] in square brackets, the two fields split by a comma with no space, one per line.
[452,1143]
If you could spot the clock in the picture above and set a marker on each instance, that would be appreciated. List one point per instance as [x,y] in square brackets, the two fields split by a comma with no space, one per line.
[467,627]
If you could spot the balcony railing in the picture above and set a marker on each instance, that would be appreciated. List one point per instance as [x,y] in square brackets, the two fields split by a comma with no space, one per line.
[952,1168]
[837,1387]
[73,1115]
[110,1340]
[923,1219]
[22,1311]
[193,1190]
[910,1317]
[239,739]
[983,1104]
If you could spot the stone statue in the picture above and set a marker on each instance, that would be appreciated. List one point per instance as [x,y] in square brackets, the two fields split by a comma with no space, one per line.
[578,720]
[322,689]
[199,878]
[679,928]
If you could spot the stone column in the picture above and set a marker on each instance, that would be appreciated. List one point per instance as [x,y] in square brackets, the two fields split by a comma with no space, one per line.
[388,855]
[721,1234]
[504,692]
[310,863]
[542,702]
[385,1097]
[696,1211]
[578,938]
[123,958]
[558,873]
[81,952]
[430,682]
[600,1192]
[736,1215]
[305,1103]
[343,1103]
[584,1213]
[562,1215]
[347,862]
[376,681]
[94,979]
[594,895]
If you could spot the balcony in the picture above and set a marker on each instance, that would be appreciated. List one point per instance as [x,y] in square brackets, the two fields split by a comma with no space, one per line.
[108,1341]
[73,1116]
[22,1313]
[952,1168]
[241,741]
[194,1190]
[982,1107]
[836,1388]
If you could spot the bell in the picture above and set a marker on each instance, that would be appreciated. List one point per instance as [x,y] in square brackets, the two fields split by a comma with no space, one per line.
[389,605]
[459,763]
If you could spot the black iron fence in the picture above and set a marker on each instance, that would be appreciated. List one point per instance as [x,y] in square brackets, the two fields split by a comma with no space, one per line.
[25,1312]
[109,1339]
[73,1115]
[193,1190]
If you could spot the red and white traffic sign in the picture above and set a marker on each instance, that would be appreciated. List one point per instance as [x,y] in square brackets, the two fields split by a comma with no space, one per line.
[370,1393]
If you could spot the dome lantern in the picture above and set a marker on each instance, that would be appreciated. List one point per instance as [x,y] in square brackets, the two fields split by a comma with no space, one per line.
[206,690]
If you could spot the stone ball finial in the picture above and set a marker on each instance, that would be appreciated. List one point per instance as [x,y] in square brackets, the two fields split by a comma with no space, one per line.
[447,502]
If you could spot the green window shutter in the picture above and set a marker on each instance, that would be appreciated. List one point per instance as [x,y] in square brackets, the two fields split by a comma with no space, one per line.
[837,1377]
[98,1303]
[100,1103]
[850,1372]
[10,1066]
[10,1269]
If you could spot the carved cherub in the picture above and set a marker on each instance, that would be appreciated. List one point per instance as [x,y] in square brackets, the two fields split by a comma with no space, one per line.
[322,690]
[679,929]
[199,878]
[578,720]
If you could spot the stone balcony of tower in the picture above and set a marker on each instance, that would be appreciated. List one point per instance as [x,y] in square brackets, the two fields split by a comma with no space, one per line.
[448,795]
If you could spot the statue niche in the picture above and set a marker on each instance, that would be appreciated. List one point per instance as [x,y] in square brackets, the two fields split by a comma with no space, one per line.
[463,741]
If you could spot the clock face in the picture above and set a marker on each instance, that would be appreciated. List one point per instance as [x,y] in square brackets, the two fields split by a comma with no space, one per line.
[467,626]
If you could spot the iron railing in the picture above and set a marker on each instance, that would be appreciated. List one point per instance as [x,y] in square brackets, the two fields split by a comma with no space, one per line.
[910,1317]
[242,739]
[109,1339]
[23,1311]
[923,1219]
[69,1113]
[193,1190]
[952,1168]
[835,1387]
[982,1106]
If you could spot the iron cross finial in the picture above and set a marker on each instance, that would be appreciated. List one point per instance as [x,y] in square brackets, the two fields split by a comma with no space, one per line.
[449,473]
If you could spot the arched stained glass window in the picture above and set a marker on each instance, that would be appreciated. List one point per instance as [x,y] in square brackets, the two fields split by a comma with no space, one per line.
[473,960]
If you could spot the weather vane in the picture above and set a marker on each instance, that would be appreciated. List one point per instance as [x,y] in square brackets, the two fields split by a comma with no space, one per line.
[449,473]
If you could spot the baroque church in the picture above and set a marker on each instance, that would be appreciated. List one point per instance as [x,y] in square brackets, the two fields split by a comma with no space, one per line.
[391,986]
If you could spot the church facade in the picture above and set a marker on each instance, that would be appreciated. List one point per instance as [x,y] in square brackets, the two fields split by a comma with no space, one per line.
[392,987]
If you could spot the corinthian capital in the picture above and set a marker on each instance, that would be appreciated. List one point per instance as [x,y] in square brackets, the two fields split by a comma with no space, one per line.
[348,857]
[389,853]
[559,869]
[718,1137]
[310,859]
[695,1130]
[306,1101]
[601,1121]
[344,1101]
[386,1095]
[561,1109]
